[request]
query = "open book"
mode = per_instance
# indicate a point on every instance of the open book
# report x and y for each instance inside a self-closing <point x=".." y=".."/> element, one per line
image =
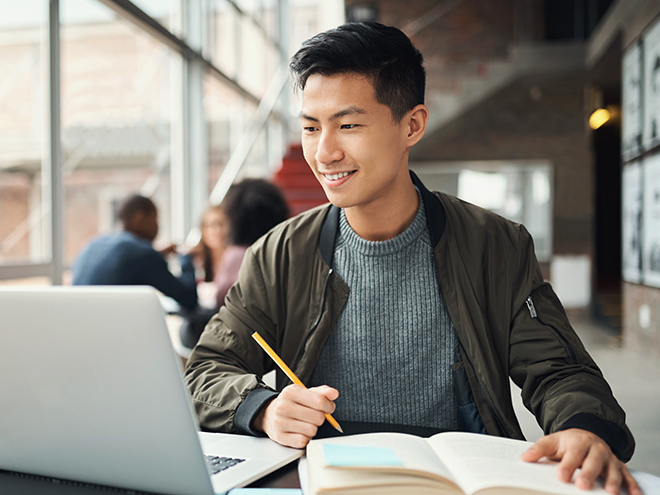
<point x="446" y="463"/>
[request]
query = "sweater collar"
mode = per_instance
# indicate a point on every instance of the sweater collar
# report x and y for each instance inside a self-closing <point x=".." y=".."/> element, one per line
<point x="435" y="219"/>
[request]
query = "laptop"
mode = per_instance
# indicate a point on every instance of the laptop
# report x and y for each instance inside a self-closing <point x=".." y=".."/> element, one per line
<point x="92" y="391"/>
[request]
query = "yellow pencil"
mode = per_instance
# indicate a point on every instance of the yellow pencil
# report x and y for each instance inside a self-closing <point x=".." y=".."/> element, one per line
<point x="287" y="371"/>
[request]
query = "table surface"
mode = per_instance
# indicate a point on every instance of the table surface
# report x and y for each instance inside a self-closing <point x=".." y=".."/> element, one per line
<point x="285" y="477"/>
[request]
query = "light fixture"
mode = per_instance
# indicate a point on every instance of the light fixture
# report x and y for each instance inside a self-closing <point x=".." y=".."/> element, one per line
<point x="599" y="117"/>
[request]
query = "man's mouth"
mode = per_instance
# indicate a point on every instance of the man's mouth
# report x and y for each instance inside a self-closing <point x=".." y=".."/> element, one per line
<point x="338" y="176"/>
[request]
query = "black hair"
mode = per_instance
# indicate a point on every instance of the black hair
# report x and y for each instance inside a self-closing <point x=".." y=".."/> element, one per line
<point x="133" y="204"/>
<point x="253" y="207"/>
<point x="382" y="53"/>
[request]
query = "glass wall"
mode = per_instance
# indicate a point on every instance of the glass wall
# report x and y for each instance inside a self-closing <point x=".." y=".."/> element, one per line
<point x="99" y="100"/>
<point x="23" y="126"/>
<point x="116" y="100"/>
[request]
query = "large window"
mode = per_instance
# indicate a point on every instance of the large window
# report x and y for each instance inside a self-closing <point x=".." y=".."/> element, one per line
<point x="116" y="95"/>
<point x="101" y="99"/>
<point x="23" y="128"/>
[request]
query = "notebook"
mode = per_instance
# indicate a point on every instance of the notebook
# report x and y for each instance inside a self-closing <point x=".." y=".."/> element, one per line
<point x="92" y="391"/>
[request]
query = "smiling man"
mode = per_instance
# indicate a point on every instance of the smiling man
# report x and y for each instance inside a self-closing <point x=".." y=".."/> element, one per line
<point x="395" y="304"/>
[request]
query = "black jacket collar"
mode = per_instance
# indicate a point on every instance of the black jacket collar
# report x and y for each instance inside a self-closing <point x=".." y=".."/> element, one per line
<point x="435" y="219"/>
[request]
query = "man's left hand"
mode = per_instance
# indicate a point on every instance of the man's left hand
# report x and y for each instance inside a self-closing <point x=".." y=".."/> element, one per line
<point x="167" y="250"/>
<point x="576" y="448"/>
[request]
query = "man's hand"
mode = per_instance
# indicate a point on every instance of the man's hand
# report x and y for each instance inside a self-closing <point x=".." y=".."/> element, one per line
<point x="167" y="250"/>
<point x="576" y="448"/>
<point x="292" y="418"/>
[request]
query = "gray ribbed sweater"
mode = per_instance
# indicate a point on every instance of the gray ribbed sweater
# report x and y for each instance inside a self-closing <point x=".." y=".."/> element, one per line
<point x="391" y="351"/>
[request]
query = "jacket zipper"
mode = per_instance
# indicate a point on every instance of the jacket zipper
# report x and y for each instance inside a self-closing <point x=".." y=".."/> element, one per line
<point x="530" y="306"/>
<point x="487" y="398"/>
<point x="318" y="318"/>
<point x="533" y="313"/>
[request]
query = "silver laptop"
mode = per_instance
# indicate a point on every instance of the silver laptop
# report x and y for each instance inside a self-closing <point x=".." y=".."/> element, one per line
<point x="91" y="390"/>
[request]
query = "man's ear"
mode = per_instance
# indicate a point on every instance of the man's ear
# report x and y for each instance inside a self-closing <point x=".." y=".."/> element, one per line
<point x="418" y="117"/>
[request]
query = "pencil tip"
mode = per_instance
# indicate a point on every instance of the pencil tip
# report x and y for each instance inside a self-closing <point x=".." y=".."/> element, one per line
<point x="339" y="429"/>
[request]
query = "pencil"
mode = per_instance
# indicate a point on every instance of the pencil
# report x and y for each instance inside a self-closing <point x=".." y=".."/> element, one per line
<point x="287" y="371"/>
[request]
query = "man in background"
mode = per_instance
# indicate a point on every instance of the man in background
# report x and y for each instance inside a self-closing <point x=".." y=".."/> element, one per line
<point x="128" y="258"/>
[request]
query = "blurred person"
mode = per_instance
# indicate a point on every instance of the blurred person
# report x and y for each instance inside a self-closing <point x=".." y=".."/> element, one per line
<point x="128" y="257"/>
<point x="212" y="243"/>
<point x="249" y="210"/>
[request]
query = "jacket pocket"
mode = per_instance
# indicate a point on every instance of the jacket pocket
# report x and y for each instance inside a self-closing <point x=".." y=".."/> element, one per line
<point x="540" y="316"/>
<point x="468" y="413"/>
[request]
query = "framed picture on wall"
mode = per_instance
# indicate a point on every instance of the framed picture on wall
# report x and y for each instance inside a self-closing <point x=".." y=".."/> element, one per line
<point x="631" y="204"/>
<point x="631" y="133"/>
<point x="652" y="87"/>
<point x="651" y="224"/>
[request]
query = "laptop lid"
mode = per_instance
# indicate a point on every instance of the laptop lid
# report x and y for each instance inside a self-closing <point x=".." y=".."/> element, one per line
<point x="91" y="390"/>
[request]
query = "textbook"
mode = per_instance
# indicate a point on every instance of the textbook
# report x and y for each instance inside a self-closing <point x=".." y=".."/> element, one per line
<point x="447" y="463"/>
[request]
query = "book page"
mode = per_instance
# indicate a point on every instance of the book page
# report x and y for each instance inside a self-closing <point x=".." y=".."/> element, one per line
<point x="418" y="464"/>
<point x="482" y="461"/>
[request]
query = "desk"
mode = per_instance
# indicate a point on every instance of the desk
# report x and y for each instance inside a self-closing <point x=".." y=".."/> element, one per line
<point x="285" y="477"/>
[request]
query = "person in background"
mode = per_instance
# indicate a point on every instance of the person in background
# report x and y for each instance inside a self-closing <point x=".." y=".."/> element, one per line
<point x="213" y="242"/>
<point x="251" y="208"/>
<point x="128" y="257"/>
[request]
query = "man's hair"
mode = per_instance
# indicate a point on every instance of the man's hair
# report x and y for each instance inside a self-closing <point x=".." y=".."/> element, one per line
<point x="253" y="207"/>
<point x="382" y="53"/>
<point x="132" y="205"/>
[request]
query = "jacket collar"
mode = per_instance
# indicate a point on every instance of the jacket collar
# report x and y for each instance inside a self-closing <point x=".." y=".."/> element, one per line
<point x="435" y="219"/>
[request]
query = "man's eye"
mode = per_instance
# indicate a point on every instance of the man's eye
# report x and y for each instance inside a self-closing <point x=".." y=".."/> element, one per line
<point x="309" y="129"/>
<point x="349" y="126"/>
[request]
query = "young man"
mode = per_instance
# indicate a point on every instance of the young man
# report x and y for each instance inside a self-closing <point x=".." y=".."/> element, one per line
<point x="128" y="258"/>
<point x="395" y="304"/>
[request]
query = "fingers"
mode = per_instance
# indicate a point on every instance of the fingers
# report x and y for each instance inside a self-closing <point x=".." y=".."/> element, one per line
<point x="544" y="447"/>
<point x="580" y="449"/>
<point x="571" y="460"/>
<point x="293" y="418"/>
<point x="318" y="398"/>
<point x="629" y="481"/>
<point x="329" y="392"/>
<point x="597" y="460"/>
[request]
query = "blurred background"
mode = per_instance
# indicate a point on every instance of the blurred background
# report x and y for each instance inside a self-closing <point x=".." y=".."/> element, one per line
<point x="544" y="111"/>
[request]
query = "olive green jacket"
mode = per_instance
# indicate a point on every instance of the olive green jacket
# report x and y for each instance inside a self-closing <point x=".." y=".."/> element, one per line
<point x="509" y="323"/>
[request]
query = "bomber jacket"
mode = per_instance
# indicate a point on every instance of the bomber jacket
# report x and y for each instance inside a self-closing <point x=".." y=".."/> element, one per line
<point x="509" y="323"/>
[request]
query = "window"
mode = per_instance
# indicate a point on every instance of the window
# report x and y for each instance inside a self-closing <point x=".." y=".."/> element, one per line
<point x="116" y="120"/>
<point x="519" y="191"/>
<point x="23" y="132"/>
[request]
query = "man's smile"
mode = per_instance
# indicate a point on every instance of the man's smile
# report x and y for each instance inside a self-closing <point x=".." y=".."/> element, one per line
<point x="337" y="176"/>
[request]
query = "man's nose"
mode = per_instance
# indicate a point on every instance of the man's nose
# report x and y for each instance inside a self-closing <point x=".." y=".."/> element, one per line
<point x="328" y="150"/>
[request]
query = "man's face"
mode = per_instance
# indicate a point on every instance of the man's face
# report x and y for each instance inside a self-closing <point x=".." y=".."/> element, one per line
<point x="145" y="224"/>
<point x="351" y="142"/>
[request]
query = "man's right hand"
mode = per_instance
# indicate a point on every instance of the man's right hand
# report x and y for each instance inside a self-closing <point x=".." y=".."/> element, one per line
<point x="293" y="417"/>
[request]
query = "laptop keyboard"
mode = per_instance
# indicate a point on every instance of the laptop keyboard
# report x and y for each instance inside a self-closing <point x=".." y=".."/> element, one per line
<point x="217" y="464"/>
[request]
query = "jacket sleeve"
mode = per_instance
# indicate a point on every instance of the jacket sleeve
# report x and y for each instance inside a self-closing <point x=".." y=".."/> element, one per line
<point x="227" y="364"/>
<point x="561" y="384"/>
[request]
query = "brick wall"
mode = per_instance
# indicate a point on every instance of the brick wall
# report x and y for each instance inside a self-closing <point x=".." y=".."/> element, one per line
<point x="538" y="117"/>
<point x="534" y="118"/>
<point x="14" y="193"/>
